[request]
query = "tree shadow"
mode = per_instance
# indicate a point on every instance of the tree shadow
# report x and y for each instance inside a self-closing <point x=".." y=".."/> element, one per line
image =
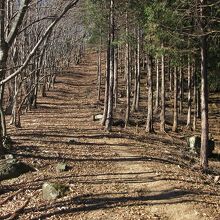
<point x="91" y="202"/>
<point x="215" y="157"/>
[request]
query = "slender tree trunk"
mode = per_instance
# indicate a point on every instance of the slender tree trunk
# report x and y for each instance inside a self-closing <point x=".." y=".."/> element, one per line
<point x="170" y="75"/>
<point x="194" y="98"/>
<point x="149" y="125"/>
<point x="44" y="84"/>
<point x="34" y="104"/>
<point x="2" y="114"/>
<point x="157" y="87"/>
<point x="3" y="61"/>
<point x="136" y="99"/>
<point x="175" y="101"/>
<point x="121" y="59"/>
<point x="109" y="119"/>
<point x="14" y="107"/>
<point x="18" y="117"/>
<point x="198" y="112"/>
<point x="204" y="92"/>
<point x="106" y="84"/>
<point x="138" y="72"/>
<point x="162" y="114"/>
<point x="38" y="65"/>
<point x="135" y="83"/>
<point x="128" y="77"/>
<point x="116" y="76"/>
<point x="99" y="69"/>
<point x="181" y="92"/>
<point x="189" y="103"/>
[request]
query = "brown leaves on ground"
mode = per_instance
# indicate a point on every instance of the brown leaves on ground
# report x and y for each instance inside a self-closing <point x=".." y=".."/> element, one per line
<point x="125" y="174"/>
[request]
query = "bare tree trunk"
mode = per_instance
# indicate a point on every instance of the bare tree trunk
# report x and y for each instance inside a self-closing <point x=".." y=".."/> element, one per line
<point x="34" y="104"/>
<point x="170" y="75"/>
<point x="120" y="54"/>
<point x="99" y="69"/>
<point x="128" y="77"/>
<point x="157" y="86"/>
<point x="175" y="101"/>
<point x="162" y="114"/>
<point x="106" y="84"/>
<point x="135" y="82"/>
<point x="3" y="60"/>
<point x="204" y="92"/>
<point x="181" y="92"/>
<point x="43" y="89"/>
<point x="14" y="107"/>
<point x="149" y="125"/>
<point x="198" y="110"/>
<point x="17" y="117"/>
<point x="194" y="98"/>
<point x="136" y="99"/>
<point x="2" y="114"/>
<point x="189" y="103"/>
<point x="138" y="72"/>
<point x="39" y="64"/>
<point x="109" y="119"/>
<point x="116" y="76"/>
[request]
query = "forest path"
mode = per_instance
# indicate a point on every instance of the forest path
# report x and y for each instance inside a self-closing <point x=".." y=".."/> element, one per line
<point x="118" y="175"/>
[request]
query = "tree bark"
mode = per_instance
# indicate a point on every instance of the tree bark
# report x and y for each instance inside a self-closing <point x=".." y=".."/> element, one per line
<point x="157" y="87"/>
<point x="170" y="75"/>
<point x="198" y="110"/>
<point x="128" y="77"/>
<point x="189" y="102"/>
<point x="162" y="114"/>
<point x="204" y="91"/>
<point x="194" y="98"/>
<point x="175" y="101"/>
<point x="116" y="76"/>
<point x="181" y="91"/>
<point x="99" y="69"/>
<point x="106" y="84"/>
<point x="138" y="72"/>
<point x="109" y="119"/>
<point x="3" y="59"/>
<point x="149" y="125"/>
<point x="136" y="99"/>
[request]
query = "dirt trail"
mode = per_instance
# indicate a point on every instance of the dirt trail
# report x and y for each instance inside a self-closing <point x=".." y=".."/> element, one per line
<point x="118" y="175"/>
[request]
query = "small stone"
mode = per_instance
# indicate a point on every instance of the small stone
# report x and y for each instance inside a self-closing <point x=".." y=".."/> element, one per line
<point x="9" y="156"/>
<point x="216" y="179"/>
<point x="12" y="168"/>
<point x="61" y="167"/>
<point x="194" y="144"/>
<point x="97" y="117"/>
<point x="52" y="191"/>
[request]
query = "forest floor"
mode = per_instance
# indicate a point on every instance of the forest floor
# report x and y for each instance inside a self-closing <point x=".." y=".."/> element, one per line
<point x="125" y="174"/>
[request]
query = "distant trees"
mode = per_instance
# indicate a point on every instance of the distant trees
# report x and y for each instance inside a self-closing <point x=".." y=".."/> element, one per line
<point x="26" y="59"/>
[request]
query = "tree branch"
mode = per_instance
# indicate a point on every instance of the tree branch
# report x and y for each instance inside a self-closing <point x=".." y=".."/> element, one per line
<point x="18" y="21"/>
